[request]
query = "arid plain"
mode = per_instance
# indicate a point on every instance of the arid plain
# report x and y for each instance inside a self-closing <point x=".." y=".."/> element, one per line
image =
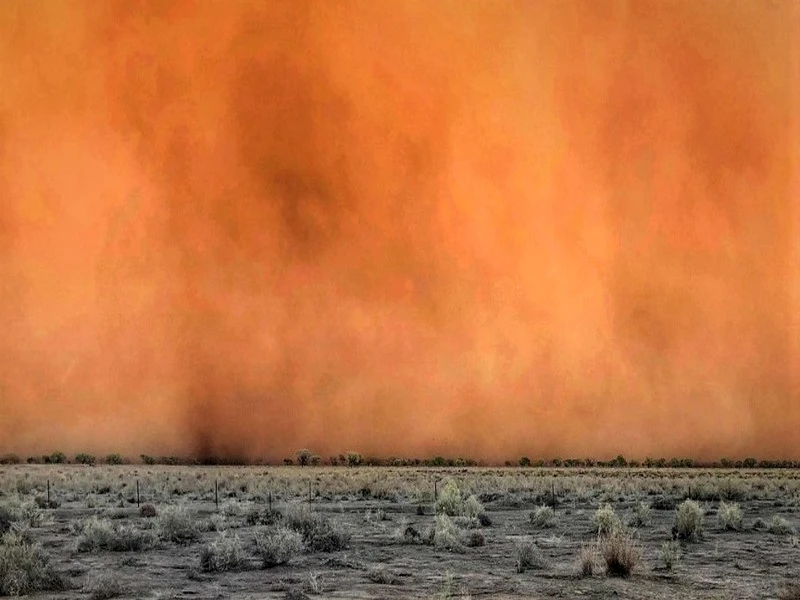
<point x="378" y="532"/>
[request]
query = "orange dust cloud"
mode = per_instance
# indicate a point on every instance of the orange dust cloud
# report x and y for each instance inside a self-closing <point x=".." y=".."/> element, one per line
<point x="406" y="228"/>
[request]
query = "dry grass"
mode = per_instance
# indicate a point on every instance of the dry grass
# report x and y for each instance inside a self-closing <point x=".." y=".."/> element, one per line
<point x="278" y="545"/>
<point x="689" y="521"/>
<point x="25" y="568"/>
<point x="529" y="556"/>
<point x="544" y="517"/>
<point x="620" y="553"/>
<point x="729" y="516"/>
<point x="225" y="553"/>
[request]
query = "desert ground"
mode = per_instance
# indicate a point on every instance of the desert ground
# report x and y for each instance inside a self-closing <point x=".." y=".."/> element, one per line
<point x="339" y="532"/>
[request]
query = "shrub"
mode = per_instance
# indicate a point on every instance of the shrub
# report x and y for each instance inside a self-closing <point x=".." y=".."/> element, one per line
<point x="688" y="520"/>
<point x="85" y="459"/>
<point x="148" y="511"/>
<point x="473" y="508"/>
<point x="104" y="586"/>
<point x="446" y="535"/>
<point x="529" y="556"/>
<point x="262" y="516"/>
<point x="670" y="553"/>
<point x="25" y="568"/>
<point x="619" y="553"/>
<point x="319" y="534"/>
<point x="641" y="515"/>
<point x="780" y="526"/>
<point x="278" y="545"/>
<point x="101" y="534"/>
<point x="175" y="524"/>
<point x="475" y="539"/>
<point x="383" y="576"/>
<point x="606" y="520"/>
<point x="113" y="459"/>
<point x="760" y="524"/>
<point x="5" y="519"/>
<point x="729" y="516"/>
<point x="449" y="501"/>
<point x="223" y="554"/>
<point x="544" y="517"/>
<point x="26" y="512"/>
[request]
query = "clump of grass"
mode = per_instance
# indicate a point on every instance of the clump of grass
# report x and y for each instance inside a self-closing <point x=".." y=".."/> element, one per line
<point x="529" y="556"/>
<point x="223" y="554"/>
<point x="446" y="535"/>
<point x="102" y="534"/>
<point x="760" y="524"/>
<point x="176" y="524"/>
<point x="620" y="553"/>
<point x="544" y="517"/>
<point x="780" y="526"/>
<point x="642" y="515"/>
<point x="256" y="515"/>
<point x="26" y="512"/>
<point x="729" y="516"/>
<point x="319" y="534"/>
<point x="475" y="539"/>
<point x="606" y="521"/>
<point x="688" y="520"/>
<point x="383" y="576"/>
<point x="588" y="559"/>
<point x="25" y="568"/>
<point x="147" y="511"/>
<point x="790" y="591"/>
<point x="104" y="586"/>
<point x="278" y="545"/>
<point x="670" y="554"/>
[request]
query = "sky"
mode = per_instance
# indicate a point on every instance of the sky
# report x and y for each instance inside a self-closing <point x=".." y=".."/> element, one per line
<point x="484" y="229"/>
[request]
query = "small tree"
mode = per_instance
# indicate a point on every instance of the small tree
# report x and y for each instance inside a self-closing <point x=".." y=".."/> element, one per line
<point x="84" y="459"/>
<point x="56" y="458"/>
<point x="148" y="460"/>
<point x="113" y="459"/>
<point x="288" y="462"/>
<point x="303" y="457"/>
<point x="354" y="459"/>
<point x="316" y="459"/>
<point x="524" y="462"/>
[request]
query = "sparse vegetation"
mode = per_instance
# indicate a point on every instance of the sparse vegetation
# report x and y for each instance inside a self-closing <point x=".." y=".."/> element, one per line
<point x="642" y="515"/>
<point x="588" y="559"/>
<point x="102" y="534"/>
<point x="102" y="586"/>
<point x="148" y="511"/>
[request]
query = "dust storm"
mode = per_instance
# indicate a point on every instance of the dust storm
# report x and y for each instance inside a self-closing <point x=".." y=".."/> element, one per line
<point x="407" y="228"/>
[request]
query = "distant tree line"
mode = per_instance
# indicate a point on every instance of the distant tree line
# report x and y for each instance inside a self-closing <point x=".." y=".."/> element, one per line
<point x="305" y="457"/>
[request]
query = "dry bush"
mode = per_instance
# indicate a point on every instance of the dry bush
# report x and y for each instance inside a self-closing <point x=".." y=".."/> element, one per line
<point x="544" y="517"/>
<point x="449" y="500"/>
<point x="176" y="524"/>
<point x="620" y="553"/>
<point x="446" y="535"/>
<point x="25" y="568"/>
<point x="475" y="539"/>
<point x="103" y="586"/>
<point x="588" y="559"/>
<point x="529" y="556"/>
<point x="26" y="512"/>
<point x="780" y="526"/>
<point x="278" y="545"/>
<point x="148" y="511"/>
<point x="606" y="521"/>
<point x="641" y="516"/>
<point x="760" y="524"/>
<point x="729" y="516"/>
<point x="383" y="576"/>
<point x="688" y="521"/>
<point x="790" y="591"/>
<point x="255" y="515"/>
<point x="670" y="554"/>
<point x="101" y="534"/>
<point x="223" y="554"/>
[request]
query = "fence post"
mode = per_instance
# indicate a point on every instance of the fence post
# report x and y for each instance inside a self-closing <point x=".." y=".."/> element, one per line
<point x="138" y="500"/>
<point x="270" y="501"/>
<point x="435" y="490"/>
<point x="309" y="491"/>
<point x="48" y="494"/>
<point x="216" y="493"/>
